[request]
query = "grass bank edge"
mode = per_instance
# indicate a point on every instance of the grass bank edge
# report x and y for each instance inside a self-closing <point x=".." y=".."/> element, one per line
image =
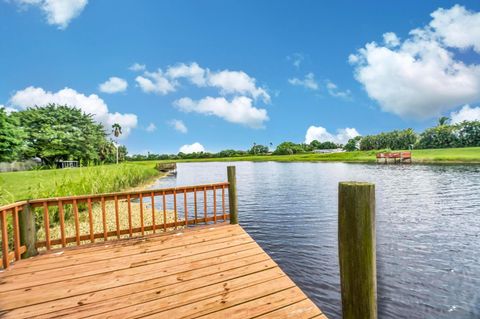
<point x="467" y="155"/>
<point x="15" y="186"/>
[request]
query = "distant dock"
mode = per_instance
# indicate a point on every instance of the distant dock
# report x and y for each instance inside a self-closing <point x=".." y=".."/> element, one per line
<point x="394" y="157"/>
<point x="169" y="168"/>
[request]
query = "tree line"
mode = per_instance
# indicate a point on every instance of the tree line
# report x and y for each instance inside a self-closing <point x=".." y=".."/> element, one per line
<point x="56" y="132"/>
<point x="285" y="148"/>
<point x="443" y="135"/>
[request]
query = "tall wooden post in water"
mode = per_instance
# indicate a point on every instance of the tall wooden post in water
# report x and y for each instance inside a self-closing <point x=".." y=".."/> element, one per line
<point x="357" y="254"/>
<point x="232" y="194"/>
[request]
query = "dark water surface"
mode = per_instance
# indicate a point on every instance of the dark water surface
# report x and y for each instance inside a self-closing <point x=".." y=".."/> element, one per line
<point x="428" y="229"/>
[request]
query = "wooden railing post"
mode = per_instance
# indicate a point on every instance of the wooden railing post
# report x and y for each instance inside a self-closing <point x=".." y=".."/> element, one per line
<point x="28" y="232"/>
<point x="357" y="254"/>
<point x="232" y="194"/>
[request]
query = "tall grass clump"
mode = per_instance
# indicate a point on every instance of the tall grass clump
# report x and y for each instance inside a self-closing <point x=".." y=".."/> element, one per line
<point x="16" y="186"/>
<point x="96" y="180"/>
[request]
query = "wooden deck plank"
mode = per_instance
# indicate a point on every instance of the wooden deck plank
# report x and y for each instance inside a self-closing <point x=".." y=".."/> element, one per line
<point x="58" y="290"/>
<point x="115" y="263"/>
<point x="106" y="304"/>
<point x="72" y="255"/>
<point x="304" y="309"/>
<point x="222" y="301"/>
<point x="126" y="243"/>
<point x="258" y="306"/>
<point x="213" y="272"/>
<point x="203" y="291"/>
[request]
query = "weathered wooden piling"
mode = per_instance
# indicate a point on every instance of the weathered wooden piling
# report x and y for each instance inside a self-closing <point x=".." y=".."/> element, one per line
<point x="232" y="194"/>
<point x="357" y="254"/>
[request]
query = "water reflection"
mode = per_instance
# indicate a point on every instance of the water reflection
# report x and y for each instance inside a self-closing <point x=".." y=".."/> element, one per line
<point x="428" y="229"/>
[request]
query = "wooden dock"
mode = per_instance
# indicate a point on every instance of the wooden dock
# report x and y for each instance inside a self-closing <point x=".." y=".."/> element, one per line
<point x="211" y="271"/>
<point x="199" y="263"/>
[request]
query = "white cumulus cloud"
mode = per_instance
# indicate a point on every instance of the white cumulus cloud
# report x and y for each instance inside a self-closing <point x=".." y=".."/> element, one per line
<point x="155" y="82"/>
<point x="57" y="12"/>
<point x="228" y="82"/>
<point x="192" y="148"/>
<point x="334" y="91"/>
<point x="466" y="113"/>
<point x="421" y="77"/>
<point x="321" y="134"/>
<point x="192" y="72"/>
<point x="136" y="67"/>
<point x="457" y="27"/>
<point x="113" y="85"/>
<point x="307" y="82"/>
<point x="237" y="82"/>
<point x="178" y="125"/>
<point x="151" y="128"/>
<point x="90" y="104"/>
<point x="238" y="92"/>
<point x="390" y="39"/>
<point x="239" y="110"/>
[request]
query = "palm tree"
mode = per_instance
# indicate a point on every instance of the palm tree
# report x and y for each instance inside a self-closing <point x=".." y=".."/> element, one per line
<point x="117" y="131"/>
<point x="443" y="121"/>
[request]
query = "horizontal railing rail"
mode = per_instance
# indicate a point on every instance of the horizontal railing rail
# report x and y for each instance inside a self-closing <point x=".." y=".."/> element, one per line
<point x="76" y="220"/>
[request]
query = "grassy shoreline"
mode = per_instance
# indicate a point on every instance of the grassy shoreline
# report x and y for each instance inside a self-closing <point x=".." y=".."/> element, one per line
<point x="15" y="186"/>
<point x="468" y="155"/>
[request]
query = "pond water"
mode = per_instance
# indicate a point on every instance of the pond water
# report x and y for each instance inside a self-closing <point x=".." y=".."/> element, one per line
<point x="428" y="229"/>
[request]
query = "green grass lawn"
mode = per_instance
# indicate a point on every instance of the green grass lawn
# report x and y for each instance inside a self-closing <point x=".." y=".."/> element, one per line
<point x="450" y="155"/>
<point x="15" y="186"/>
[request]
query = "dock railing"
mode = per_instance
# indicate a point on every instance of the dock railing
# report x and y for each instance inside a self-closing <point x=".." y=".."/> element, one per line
<point x="168" y="209"/>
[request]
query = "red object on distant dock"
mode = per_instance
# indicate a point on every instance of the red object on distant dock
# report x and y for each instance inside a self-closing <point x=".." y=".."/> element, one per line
<point x="400" y="156"/>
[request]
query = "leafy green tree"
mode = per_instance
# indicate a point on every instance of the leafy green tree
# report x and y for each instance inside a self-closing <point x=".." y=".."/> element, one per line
<point x="353" y="144"/>
<point x="317" y="145"/>
<point x="468" y="133"/>
<point x="11" y="137"/>
<point x="395" y="140"/>
<point x="58" y="132"/>
<point x="258" y="149"/>
<point x="122" y="153"/>
<point x="288" y="148"/>
<point x="442" y="136"/>
<point x="230" y="153"/>
<point x="107" y="151"/>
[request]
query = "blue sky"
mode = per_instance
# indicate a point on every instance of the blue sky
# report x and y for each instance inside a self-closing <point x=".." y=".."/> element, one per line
<point x="225" y="74"/>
